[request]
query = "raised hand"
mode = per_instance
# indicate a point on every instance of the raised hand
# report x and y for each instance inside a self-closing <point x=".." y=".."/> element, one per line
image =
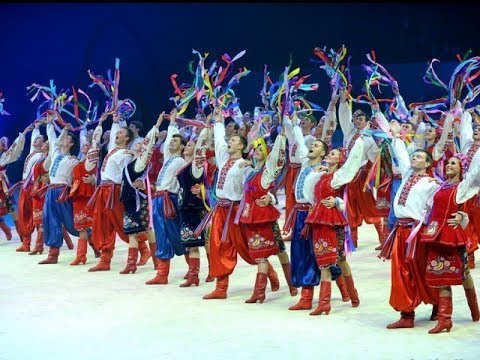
<point x="160" y="119"/>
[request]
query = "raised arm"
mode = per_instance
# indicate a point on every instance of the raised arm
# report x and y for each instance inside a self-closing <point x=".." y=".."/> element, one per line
<point x="470" y="185"/>
<point x="199" y="156"/>
<point x="439" y="148"/>
<point x="348" y="170"/>
<point x="345" y="116"/>
<point x="297" y="136"/>
<point x="92" y="156"/>
<point x="466" y="132"/>
<point x="35" y="135"/>
<point x="14" y="151"/>
<point x="142" y="161"/>
<point x="399" y="149"/>
<point x="330" y="124"/>
<point x="221" y="145"/>
<point x="275" y="161"/>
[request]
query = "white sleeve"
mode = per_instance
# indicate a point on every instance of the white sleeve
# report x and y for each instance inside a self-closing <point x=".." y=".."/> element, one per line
<point x="329" y="126"/>
<point x="466" y="132"/>
<point x="345" y="120"/>
<point x="35" y="135"/>
<point x="113" y="134"/>
<point x="14" y="151"/>
<point x="439" y="148"/>
<point x="274" y="161"/>
<point x="199" y="152"/>
<point x="401" y="154"/>
<point x="353" y="163"/>
<point x="298" y="139"/>
<point x="470" y="185"/>
<point x="52" y="140"/>
<point x="142" y="161"/>
<point x="221" y="154"/>
<point x="92" y="155"/>
<point x="419" y="138"/>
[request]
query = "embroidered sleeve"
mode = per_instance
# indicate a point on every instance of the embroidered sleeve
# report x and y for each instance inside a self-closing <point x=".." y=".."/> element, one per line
<point x="172" y="130"/>
<point x="142" y="162"/>
<point x="14" y="151"/>
<point x="93" y="154"/>
<point x="348" y="170"/>
<point x="329" y="126"/>
<point x="199" y="154"/>
<point x="274" y="162"/>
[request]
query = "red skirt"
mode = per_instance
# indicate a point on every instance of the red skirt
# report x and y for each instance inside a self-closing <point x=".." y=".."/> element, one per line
<point x="446" y="265"/>
<point x="325" y="245"/>
<point x="82" y="217"/>
<point x="6" y="206"/>
<point x="260" y="240"/>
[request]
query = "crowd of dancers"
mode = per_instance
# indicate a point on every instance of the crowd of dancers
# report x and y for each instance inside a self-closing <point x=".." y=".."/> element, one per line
<point x="214" y="185"/>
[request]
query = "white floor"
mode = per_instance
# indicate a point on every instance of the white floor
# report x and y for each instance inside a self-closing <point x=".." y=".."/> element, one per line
<point x="64" y="312"/>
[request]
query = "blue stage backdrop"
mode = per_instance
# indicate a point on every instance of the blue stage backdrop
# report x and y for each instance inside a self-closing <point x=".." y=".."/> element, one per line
<point x="62" y="41"/>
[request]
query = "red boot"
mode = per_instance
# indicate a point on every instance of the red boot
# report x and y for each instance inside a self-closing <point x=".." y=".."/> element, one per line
<point x="444" y="315"/>
<point x="259" y="289"/>
<point x="273" y="277"/>
<point x="67" y="238"/>
<point x="221" y="288"/>
<point x="324" y="302"/>
<point x="472" y="303"/>
<point x="144" y="253"/>
<point x="406" y="321"/>
<point x="352" y="292"/>
<point x="104" y="263"/>
<point x="38" y="249"/>
<point x="305" y="302"/>
<point x="193" y="270"/>
<point x="131" y="261"/>
<point x="81" y="252"/>
<point x="163" y="269"/>
<point x="153" y="250"/>
<point x="25" y="247"/>
<point x="187" y="257"/>
<point x="6" y="229"/>
<point x="52" y="257"/>
<point x="342" y="286"/>
<point x="286" y="271"/>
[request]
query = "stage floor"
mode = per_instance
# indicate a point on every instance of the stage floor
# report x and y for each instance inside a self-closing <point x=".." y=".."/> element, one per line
<point x="64" y="312"/>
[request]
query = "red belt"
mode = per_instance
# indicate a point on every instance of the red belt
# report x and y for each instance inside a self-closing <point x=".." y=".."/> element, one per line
<point x="293" y="215"/>
<point x="168" y="207"/>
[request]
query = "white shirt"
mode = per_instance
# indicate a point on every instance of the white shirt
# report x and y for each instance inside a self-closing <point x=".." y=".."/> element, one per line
<point x="116" y="159"/>
<point x="309" y="174"/>
<point x="61" y="167"/>
<point x="229" y="183"/>
<point x="167" y="179"/>
<point x="33" y="156"/>
<point x="370" y="150"/>
<point x="293" y="153"/>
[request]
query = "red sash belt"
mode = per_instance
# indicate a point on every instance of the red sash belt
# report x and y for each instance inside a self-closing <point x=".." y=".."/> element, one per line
<point x="104" y="183"/>
<point x="386" y="252"/>
<point x="206" y="220"/>
<point x="293" y="215"/>
<point x="168" y="207"/>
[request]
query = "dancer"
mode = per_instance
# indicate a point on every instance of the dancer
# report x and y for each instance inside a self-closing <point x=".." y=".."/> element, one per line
<point x="57" y="208"/>
<point x="446" y="252"/>
<point x="328" y="223"/>
<point x="105" y="202"/>
<point x="166" y="219"/>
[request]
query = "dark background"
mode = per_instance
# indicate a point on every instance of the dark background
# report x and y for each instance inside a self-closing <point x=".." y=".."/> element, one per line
<point x="154" y="40"/>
